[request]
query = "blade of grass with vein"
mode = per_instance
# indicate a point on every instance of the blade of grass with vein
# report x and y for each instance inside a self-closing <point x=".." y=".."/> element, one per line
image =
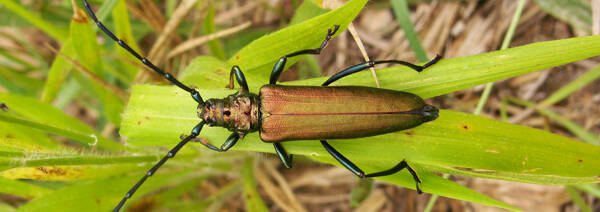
<point x="571" y="126"/>
<point x="253" y="200"/>
<point x="578" y="200"/>
<point x="22" y="189"/>
<point x="455" y="74"/>
<point x="58" y="72"/>
<point x="36" y="114"/>
<point x="208" y="26"/>
<point x="87" y="51"/>
<point x="123" y="32"/>
<point x="502" y="147"/>
<point x="101" y="195"/>
<point x="590" y="189"/>
<point x="259" y="56"/>
<point x="400" y="8"/>
<point x="575" y="12"/>
<point x="19" y="83"/>
<point x="573" y="86"/>
<point x="56" y="33"/>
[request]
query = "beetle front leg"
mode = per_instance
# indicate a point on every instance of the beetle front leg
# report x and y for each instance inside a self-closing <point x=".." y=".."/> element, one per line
<point x="278" y="68"/>
<point x="239" y="76"/>
<point x="358" y="172"/>
<point x="283" y="156"/>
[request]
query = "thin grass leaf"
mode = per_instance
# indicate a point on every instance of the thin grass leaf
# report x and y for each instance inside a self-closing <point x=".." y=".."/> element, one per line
<point x="87" y="51"/>
<point x="56" y="33"/>
<point x="571" y="126"/>
<point x="400" y="8"/>
<point x="573" y="86"/>
<point x="101" y="195"/>
<point x="253" y="200"/>
<point x="455" y="74"/>
<point x="575" y="12"/>
<point x="42" y="116"/>
<point x="259" y="56"/>
<point x="123" y="32"/>
<point x="590" y="189"/>
<point x="21" y="189"/>
<point x="578" y="200"/>
<point x="307" y="10"/>
<point x="19" y="83"/>
<point x="208" y="26"/>
<point x="505" y="150"/>
<point x="58" y="72"/>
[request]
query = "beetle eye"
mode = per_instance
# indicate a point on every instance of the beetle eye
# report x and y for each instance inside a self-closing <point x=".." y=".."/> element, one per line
<point x="226" y="113"/>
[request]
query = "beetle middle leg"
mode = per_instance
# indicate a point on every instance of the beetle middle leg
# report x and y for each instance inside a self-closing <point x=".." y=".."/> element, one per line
<point x="279" y="66"/>
<point x="283" y="156"/>
<point x="360" y="173"/>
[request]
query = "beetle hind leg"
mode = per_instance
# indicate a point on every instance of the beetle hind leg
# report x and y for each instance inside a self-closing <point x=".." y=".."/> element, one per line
<point x="360" y="173"/>
<point x="283" y="156"/>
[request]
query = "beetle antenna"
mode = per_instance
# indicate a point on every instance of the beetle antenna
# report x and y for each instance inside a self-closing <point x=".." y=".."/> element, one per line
<point x="145" y="61"/>
<point x="170" y="154"/>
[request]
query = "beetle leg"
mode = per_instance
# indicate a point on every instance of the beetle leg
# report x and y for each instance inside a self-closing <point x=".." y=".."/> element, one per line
<point x="239" y="76"/>
<point x="358" y="172"/>
<point x="231" y="140"/>
<point x="359" y="67"/>
<point x="283" y="156"/>
<point x="278" y="68"/>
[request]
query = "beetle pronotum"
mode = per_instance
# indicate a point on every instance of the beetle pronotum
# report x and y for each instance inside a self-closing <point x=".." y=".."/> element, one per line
<point x="284" y="113"/>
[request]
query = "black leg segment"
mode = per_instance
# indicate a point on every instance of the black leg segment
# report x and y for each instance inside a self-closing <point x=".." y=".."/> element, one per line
<point x="358" y="172"/>
<point x="359" y="67"/>
<point x="239" y="77"/>
<point x="279" y="66"/>
<point x="283" y="156"/>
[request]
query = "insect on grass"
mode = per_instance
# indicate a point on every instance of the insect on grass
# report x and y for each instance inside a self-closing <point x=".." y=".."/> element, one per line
<point x="286" y="113"/>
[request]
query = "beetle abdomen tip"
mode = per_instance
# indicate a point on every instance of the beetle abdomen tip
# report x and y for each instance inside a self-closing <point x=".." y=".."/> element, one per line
<point x="430" y="112"/>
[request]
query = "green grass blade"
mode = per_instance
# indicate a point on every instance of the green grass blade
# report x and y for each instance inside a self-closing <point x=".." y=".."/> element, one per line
<point x="43" y="116"/>
<point x="590" y="189"/>
<point x="400" y="8"/>
<point x="21" y="189"/>
<point x="208" y="25"/>
<point x="123" y="31"/>
<point x="57" y="33"/>
<point x="259" y="56"/>
<point x="455" y="74"/>
<point x="575" y="12"/>
<point x="101" y="195"/>
<point x="253" y="200"/>
<point x="578" y="200"/>
<point x="500" y="150"/>
<point x="571" y="126"/>
<point x="88" y="53"/>
<point x="58" y="72"/>
<point x="576" y="84"/>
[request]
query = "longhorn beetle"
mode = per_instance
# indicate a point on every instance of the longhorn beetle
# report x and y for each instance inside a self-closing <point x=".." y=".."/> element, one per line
<point x="285" y="113"/>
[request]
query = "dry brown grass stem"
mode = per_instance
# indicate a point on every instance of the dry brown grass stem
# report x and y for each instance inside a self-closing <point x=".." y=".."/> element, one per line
<point x="374" y="202"/>
<point x="195" y="42"/>
<point x="361" y="47"/>
<point x="272" y="190"/>
<point x="237" y="12"/>
<point x="112" y="88"/>
<point x="284" y="186"/>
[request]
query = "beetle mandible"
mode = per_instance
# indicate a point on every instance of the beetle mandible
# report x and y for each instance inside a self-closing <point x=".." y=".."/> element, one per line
<point x="284" y="113"/>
